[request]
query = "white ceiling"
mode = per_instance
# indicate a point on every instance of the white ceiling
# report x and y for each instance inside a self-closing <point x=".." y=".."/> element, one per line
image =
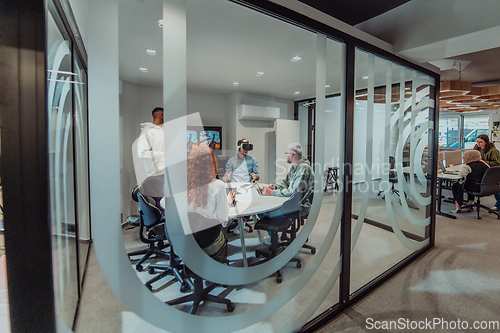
<point x="431" y="31"/>
<point x="227" y="42"/>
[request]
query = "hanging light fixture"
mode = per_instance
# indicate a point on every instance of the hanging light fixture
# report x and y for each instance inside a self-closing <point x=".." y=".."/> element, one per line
<point x="460" y="96"/>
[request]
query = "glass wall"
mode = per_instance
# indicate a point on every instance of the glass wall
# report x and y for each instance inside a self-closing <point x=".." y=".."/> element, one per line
<point x="457" y="131"/>
<point x="224" y="72"/>
<point x="474" y="126"/>
<point x="449" y="132"/>
<point x="246" y="63"/>
<point x="68" y="165"/>
<point x="391" y="188"/>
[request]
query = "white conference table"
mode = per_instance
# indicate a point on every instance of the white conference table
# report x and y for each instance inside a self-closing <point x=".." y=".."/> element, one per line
<point x="249" y="202"/>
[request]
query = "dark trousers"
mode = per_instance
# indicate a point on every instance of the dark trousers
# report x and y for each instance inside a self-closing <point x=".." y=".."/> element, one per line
<point x="458" y="193"/>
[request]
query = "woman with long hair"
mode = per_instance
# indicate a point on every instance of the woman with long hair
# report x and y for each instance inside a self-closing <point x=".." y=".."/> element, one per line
<point x="490" y="155"/>
<point x="472" y="171"/>
<point x="207" y="197"/>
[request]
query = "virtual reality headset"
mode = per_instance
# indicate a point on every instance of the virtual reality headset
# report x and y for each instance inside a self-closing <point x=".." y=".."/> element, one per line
<point x="247" y="146"/>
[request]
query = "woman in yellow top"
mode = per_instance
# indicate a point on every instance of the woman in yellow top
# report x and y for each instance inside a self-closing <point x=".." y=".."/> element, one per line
<point x="490" y="155"/>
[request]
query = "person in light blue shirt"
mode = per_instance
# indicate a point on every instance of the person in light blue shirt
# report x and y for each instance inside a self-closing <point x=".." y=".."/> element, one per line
<point x="242" y="167"/>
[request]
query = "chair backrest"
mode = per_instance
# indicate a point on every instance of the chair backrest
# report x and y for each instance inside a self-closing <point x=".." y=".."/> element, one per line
<point x="150" y="214"/>
<point x="291" y="208"/>
<point x="153" y="187"/>
<point x="134" y="193"/>
<point x="490" y="183"/>
<point x="453" y="157"/>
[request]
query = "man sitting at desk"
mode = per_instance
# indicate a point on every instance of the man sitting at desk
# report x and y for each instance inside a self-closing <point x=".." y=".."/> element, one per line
<point x="300" y="173"/>
<point x="242" y="167"/>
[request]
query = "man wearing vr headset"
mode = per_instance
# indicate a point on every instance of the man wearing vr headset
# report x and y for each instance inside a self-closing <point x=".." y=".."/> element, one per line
<point x="242" y="167"/>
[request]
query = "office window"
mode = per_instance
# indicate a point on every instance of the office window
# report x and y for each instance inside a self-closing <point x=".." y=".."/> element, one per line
<point x="448" y="132"/>
<point x="473" y="127"/>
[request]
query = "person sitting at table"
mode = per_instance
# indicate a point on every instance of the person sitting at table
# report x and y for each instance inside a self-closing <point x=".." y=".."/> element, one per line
<point x="242" y="167"/>
<point x="301" y="172"/>
<point x="490" y="155"/>
<point x="470" y="172"/>
<point x="206" y="196"/>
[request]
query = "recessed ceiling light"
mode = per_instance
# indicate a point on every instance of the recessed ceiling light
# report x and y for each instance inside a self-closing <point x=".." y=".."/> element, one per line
<point x="160" y="22"/>
<point x="327" y="86"/>
<point x="143" y="69"/>
<point x="260" y="73"/>
<point x="296" y="93"/>
<point x="296" y="58"/>
<point x="151" y="51"/>
<point x="365" y="77"/>
<point x="235" y="84"/>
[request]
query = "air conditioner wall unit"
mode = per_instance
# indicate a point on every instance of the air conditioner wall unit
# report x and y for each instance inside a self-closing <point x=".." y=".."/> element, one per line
<point x="252" y="112"/>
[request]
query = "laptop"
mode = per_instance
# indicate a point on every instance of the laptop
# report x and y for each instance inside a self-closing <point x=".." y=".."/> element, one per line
<point x="441" y="165"/>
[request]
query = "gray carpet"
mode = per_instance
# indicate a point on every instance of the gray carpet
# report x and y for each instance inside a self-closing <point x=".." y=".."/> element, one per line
<point x="457" y="279"/>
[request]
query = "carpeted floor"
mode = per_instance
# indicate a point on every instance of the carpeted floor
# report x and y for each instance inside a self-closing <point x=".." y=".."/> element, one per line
<point x="458" y="279"/>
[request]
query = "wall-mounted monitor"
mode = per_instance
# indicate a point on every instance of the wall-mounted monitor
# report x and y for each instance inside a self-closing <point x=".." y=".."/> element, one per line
<point x="210" y="136"/>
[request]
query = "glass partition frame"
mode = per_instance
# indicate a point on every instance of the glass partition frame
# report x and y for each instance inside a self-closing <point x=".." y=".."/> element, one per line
<point x="345" y="296"/>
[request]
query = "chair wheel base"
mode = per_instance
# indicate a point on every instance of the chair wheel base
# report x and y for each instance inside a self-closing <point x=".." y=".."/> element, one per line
<point x="151" y="270"/>
<point x="230" y="307"/>
<point x="313" y="251"/>
<point x="184" y="288"/>
<point x="139" y="268"/>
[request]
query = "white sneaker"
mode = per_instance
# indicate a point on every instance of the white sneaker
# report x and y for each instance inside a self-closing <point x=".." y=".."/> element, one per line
<point x="267" y="240"/>
<point x="236" y="230"/>
<point x="494" y="208"/>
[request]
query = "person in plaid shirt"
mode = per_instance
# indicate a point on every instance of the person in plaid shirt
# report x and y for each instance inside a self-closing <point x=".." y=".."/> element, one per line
<point x="300" y="175"/>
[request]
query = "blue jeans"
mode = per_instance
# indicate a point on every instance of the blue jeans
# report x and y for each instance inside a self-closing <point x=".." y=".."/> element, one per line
<point x="497" y="204"/>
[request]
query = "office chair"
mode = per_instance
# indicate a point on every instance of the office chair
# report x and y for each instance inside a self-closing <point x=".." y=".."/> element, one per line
<point x="331" y="178"/>
<point x="206" y="238"/>
<point x="490" y="184"/>
<point x="133" y="220"/>
<point x="393" y="177"/>
<point x="295" y="227"/>
<point x="150" y="232"/>
<point x="291" y="211"/>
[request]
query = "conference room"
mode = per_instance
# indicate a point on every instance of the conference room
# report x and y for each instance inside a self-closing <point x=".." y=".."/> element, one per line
<point x="225" y="71"/>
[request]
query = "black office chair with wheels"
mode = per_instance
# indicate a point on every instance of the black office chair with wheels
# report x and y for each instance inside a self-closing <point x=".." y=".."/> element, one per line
<point x="150" y="230"/>
<point x="393" y="177"/>
<point x="291" y="233"/>
<point x="211" y="238"/>
<point x="133" y="220"/>
<point x="291" y="211"/>
<point x="490" y="184"/>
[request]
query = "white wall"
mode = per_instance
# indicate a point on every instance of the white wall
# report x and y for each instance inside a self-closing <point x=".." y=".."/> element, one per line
<point x="259" y="133"/>
<point x="136" y="104"/>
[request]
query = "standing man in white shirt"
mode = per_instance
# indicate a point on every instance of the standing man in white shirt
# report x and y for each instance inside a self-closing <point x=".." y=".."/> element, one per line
<point x="242" y="167"/>
<point x="151" y="144"/>
<point x="150" y="150"/>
